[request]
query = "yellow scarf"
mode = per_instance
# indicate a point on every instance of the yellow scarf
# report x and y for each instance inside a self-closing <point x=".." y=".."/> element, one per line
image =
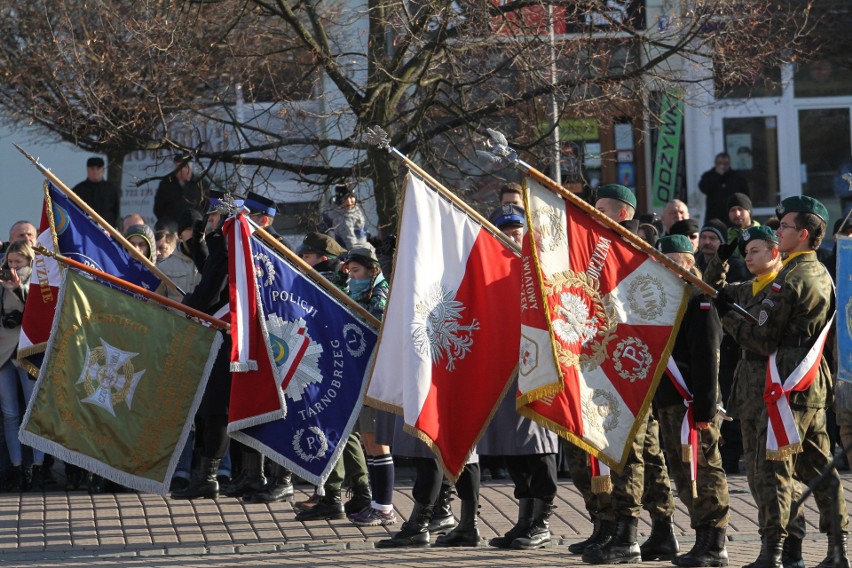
<point x="793" y="255"/>
<point x="762" y="281"/>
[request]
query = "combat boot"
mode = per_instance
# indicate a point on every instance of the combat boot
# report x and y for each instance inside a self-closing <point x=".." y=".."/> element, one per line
<point x="279" y="487"/>
<point x="202" y="484"/>
<point x="709" y="549"/>
<point x="770" y="554"/>
<point x="442" y="516"/>
<point x="360" y="500"/>
<point x="791" y="553"/>
<point x="843" y="560"/>
<point x="330" y="507"/>
<point x="414" y="531"/>
<point x="538" y="534"/>
<point x="466" y="533"/>
<point x="250" y="478"/>
<point x="662" y="543"/>
<point x="525" y="515"/>
<point x="601" y="533"/>
<point x="622" y="548"/>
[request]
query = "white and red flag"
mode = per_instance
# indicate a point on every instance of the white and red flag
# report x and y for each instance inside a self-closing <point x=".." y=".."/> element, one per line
<point x="599" y="318"/>
<point x="448" y="347"/>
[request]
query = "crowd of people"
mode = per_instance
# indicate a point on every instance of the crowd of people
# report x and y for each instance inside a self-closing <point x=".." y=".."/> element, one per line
<point x="774" y="270"/>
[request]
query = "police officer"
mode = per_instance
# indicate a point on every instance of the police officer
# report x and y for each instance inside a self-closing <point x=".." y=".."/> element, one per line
<point x="797" y="308"/>
<point x="695" y="380"/>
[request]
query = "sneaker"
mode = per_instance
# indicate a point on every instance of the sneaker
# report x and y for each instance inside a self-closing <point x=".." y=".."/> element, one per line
<point x="370" y="517"/>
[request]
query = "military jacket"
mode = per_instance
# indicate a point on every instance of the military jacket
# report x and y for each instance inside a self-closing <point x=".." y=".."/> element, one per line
<point x="796" y="308"/>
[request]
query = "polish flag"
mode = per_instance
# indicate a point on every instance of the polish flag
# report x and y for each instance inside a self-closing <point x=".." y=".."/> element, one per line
<point x="599" y="319"/>
<point x="448" y="348"/>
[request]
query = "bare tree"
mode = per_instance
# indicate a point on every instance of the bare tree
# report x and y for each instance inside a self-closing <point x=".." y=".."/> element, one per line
<point x="433" y="73"/>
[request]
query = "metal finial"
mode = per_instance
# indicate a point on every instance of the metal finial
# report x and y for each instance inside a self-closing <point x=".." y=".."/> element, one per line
<point x="228" y="206"/>
<point x="499" y="148"/>
<point x="376" y="136"/>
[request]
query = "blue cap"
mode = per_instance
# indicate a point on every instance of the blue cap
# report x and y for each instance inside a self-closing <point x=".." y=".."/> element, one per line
<point x="508" y="215"/>
<point x="217" y="198"/>
<point x="258" y="204"/>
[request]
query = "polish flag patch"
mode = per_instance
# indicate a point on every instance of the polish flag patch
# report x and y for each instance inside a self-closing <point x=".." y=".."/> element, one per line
<point x="705" y="305"/>
<point x="776" y="287"/>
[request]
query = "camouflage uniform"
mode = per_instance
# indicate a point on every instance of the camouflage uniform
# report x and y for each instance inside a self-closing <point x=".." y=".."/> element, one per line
<point x="696" y="353"/>
<point x="792" y="317"/>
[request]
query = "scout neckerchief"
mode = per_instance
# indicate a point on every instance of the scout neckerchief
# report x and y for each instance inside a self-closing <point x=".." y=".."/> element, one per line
<point x="688" y="431"/>
<point x="762" y="281"/>
<point x="782" y="437"/>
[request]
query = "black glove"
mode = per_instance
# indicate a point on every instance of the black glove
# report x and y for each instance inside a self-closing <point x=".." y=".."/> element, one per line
<point x="723" y="302"/>
<point x="726" y="250"/>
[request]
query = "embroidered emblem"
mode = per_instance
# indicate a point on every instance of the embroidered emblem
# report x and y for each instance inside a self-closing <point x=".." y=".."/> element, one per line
<point x="762" y="317"/>
<point x="632" y="359"/>
<point x="264" y="269"/>
<point x="529" y="355"/>
<point x="109" y="377"/>
<point x="600" y="411"/>
<point x="437" y="329"/>
<point x="646" y="297"/>
<point x="317" y="444"/>
<point x="294" y="355"/>
<point x="549" y="228"/>
<point x="354" y="339"/>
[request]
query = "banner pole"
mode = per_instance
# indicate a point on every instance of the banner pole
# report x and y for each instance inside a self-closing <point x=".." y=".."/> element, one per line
<point x="115" y="234"/>
<point x="217" y="323"/>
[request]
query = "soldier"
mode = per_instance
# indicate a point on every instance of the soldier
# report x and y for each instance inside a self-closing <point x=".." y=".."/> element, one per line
<point x="791" y="319"/>
<point x="694" y="380"/>
<point x="645" y="480"/>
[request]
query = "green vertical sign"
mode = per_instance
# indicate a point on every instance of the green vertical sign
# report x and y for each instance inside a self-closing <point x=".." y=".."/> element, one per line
<point x="667" y="156"/>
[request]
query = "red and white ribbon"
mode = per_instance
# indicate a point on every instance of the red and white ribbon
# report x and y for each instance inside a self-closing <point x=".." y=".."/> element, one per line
<point x="242" y="295"/>
<point x="782" y="437"/>
<point x="688" y="431"/>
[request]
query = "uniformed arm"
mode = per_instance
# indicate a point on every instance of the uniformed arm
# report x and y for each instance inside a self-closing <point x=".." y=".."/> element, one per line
<point x="705" y="337"/>
<point x="716" y="272"/>
<point x="207" y="295"/>
<point x="774" y="315"/>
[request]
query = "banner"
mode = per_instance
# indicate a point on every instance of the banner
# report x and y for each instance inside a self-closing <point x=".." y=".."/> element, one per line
<point x="664" y="186"/>
<point x="66" y="229"/>
<point x="320" y="353"/>
<point x="449" y="343"/>
<point x="119" y="386"/>
<point x="599" y="319"/>
<point x="844" y="309"/>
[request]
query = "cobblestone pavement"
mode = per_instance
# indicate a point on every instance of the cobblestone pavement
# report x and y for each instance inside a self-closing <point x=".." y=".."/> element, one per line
<point x="130" y="529"/>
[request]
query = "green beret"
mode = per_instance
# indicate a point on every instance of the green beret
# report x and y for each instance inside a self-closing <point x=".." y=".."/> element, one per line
<point x="321" y="244"/>
<point x="675" y="243"/>
<point x="762" y="232"/>
<point x="619" y="192"/>
<point x="802" y="204"/>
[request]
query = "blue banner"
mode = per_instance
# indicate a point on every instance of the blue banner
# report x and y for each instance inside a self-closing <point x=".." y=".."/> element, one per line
<point x="844" y="309"/>
<point x="324" y="352"/>
<point x="81" y="239"/>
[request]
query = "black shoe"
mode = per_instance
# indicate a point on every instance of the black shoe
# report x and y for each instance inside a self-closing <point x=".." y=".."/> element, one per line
<point x="96" y="484"/>
<point x="791" y="553"/>
<point x="601" y="533"/>
<point x="275" y="491"/>
<point x="414" y="531"/>
<point x="73" y="477"/>
<point x="538" y="533"/>
<point x="662" y="543"/>
<point x="37" y="478"/>
<point x="770" y="554"/>
<point x="467" y="532"/>
<point x="250" y="479"/>
<point x="15" y="479"/>
<point x="202" y="484"/>
<point x="525" y="516"/>
<point x="709" y="549"/>
<point x="178" y="484"/>
<point x="829" y="559"/>
<point x="329" y="508"/>
<point x="442" y="520"/>
<point x="360" y="500"/>
<point x="622" y="548"/>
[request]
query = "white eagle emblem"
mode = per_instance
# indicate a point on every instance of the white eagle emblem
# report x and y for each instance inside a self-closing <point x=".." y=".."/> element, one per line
<point x="438" y="331"/>
<point x="574" y="325"/>
<point x="294" y="354"/>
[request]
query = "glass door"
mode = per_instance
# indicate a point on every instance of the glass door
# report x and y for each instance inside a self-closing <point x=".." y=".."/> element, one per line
<point x="825" y="150"/>
<point x="752" y="143"/>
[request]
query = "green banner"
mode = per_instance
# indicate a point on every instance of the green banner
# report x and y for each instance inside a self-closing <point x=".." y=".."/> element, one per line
<point x="667" y="156"/>
<point x="120" y="385"/>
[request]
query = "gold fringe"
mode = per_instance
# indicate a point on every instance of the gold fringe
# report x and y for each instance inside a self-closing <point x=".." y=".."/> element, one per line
<point x="694" y="490"/>
<point x="601" y="484"/>
<point x="686" y="453"/>
<point x="382" y="405"/>
<point x="782" y="454"/>
<point x="25" y="352"/>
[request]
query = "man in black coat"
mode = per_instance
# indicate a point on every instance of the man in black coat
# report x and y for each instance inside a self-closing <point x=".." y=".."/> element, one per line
<point x="718" y="185"/>
<point x="98" y="193"/>
<point x="178" y="192"/>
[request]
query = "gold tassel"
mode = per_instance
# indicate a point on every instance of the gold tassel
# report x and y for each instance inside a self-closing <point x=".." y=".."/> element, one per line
<point x="694" y="490"/>
<point x="686" y="453"/>
<point x="601" y="484"/>
<point x="782" y="454"/>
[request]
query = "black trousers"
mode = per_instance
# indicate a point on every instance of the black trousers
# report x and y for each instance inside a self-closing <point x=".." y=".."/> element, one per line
<point x="534" y="476"/>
